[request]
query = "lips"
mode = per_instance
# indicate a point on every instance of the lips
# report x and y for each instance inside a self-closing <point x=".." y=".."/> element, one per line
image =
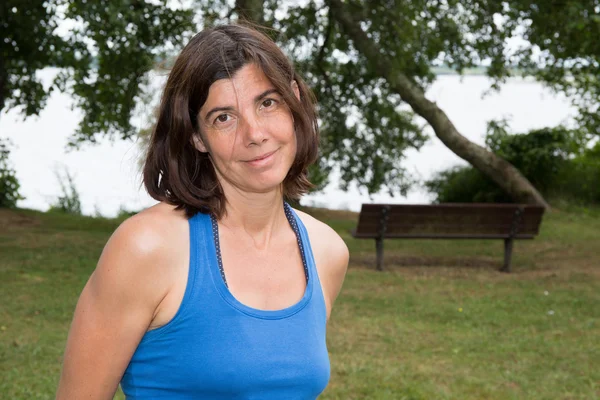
<point x="262" y="157"/>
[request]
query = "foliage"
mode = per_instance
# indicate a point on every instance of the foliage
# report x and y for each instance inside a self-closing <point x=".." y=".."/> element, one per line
<point x="366" y="126"/>
<point x="566" y="55"/>
<point x="557" y="161"/>
<point x="579" y="180"/>
<point x="103" y="58"/>
<point x="538" y="154"/>
<point x="9" y="184"/>
<point x="97" y="212"/>
<point x="124" y="213"/>
<point x="69" y="201"/>
<point x="464" y="184"/>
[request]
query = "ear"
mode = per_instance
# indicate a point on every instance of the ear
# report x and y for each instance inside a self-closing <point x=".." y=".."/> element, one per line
<point x="198" y="143"/>
<point x="296" y="89"/>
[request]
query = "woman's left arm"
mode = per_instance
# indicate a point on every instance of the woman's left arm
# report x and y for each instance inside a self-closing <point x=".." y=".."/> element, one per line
<point x="331" y="256"/>
<point x="333" y="267"/>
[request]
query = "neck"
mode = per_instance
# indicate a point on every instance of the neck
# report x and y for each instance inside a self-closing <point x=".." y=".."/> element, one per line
<point x="260" y="215"/>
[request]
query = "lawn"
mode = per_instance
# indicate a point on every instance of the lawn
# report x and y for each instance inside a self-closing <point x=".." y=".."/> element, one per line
<point x="439" y="323"/>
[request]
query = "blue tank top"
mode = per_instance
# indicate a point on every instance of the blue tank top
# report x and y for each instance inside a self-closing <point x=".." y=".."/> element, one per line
<point x="215" y="347"/>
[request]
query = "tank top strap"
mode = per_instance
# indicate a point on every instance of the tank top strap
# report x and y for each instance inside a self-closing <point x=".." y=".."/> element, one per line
<point x="198" y="245"/>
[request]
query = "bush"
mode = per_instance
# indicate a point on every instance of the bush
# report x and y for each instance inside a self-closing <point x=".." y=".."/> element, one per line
<point x="555" y="160"/>
<point x="465" y="185"/>
<point x="539" y="154"/>
<point x="9" y="185"/>
<point x="579" y="179"/>
<point x="69" y="202"/>
<point x="124" y="213"/>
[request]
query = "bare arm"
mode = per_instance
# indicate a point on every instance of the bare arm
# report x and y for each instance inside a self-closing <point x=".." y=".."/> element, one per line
<point x="335" y="266"/>
<point x="331" y="256"/>
<point x="113" y="312"/>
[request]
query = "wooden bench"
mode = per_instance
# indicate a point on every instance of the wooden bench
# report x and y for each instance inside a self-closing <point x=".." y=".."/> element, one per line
<point x="449" y="221"/>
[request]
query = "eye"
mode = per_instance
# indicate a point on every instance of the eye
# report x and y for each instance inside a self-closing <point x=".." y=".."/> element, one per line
<point x="222" y="118"/>
<point x="269" y="103"/>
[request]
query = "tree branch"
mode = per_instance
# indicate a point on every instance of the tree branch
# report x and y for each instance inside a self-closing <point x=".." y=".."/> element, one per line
<point x="321" y="54"/>
<point x="499" y="170"/>
<point x="252" y="10"/>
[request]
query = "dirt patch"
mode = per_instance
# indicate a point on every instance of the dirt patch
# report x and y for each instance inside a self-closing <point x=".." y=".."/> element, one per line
<point x="562" y="272"/>
<point x="479" y="268"/>
<point x="392" y="261"/>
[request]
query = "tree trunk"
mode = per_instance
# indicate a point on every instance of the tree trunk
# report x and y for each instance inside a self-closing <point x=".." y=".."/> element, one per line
<point x="499" y="170"/>
<point x="251" y="10"/>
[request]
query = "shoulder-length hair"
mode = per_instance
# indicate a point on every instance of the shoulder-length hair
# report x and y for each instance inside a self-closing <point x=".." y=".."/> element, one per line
<point x="174" y="170"/>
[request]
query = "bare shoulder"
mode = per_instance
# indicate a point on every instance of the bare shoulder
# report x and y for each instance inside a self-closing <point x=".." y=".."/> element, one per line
<point x="151" y="229"/>
<point x="323" y="237"/>
<point x="139" y="249"/>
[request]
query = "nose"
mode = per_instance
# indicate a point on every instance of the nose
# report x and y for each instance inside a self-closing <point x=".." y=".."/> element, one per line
<point x="254" y="131"/>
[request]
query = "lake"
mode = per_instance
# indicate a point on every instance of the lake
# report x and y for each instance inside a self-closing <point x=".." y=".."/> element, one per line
<point x="108" y="178"/>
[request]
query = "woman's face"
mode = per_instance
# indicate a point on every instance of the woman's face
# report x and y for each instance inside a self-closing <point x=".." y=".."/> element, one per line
<point x="248" y="131"/>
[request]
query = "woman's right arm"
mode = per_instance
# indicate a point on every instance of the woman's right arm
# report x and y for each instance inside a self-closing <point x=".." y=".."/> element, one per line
<point x="114" y="311"/>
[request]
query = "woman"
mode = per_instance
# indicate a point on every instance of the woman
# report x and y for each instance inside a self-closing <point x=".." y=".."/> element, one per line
<point x="221" y="290"/>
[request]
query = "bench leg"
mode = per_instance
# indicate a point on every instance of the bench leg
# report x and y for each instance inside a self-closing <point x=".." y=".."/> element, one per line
<point x="508" y="246"/>
<point x="379" y="248"/>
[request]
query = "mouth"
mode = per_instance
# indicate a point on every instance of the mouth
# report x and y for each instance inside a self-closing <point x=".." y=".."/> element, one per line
<point x="263" y="157"/>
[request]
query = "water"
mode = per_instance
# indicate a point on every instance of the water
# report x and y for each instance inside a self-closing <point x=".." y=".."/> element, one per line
<point x="107" y="175"/>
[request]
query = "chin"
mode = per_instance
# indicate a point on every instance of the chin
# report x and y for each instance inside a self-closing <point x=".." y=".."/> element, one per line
<point x="268" y="184"/>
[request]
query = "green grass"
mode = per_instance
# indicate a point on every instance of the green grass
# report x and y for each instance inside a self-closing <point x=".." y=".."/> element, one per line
<point x="439" y="323"/>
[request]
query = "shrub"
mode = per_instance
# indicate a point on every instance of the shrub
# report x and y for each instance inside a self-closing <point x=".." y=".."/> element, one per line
<point x="579" y="179"/>
<point x="465" y="185"/>
<point x="69" y="202"/>
<point x="539" y="154"/>
<point x="556" y="161"/>
<point x="124" y="213"/>
<point x="9" y="185"/>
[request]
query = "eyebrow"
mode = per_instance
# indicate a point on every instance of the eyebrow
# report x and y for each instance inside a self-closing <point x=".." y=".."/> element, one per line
<point x="229" y="108"/>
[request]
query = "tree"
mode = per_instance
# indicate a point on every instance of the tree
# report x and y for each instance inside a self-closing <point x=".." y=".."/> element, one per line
<point x="368" y="60"/>
<point x="409" y="90"/>
<point x="103" y="58"/>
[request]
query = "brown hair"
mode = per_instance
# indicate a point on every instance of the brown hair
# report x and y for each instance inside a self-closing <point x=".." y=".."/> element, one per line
<point x="174" y="170"/>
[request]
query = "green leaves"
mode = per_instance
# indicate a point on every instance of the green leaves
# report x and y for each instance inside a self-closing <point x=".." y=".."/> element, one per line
<point x="104" y="51"/>
<point x="9" y="185"/>
<point x="557" y="161"/>
<point x="27" y="44"/>
<point x="363" y="126"/>
<point x="125" y="40"/>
